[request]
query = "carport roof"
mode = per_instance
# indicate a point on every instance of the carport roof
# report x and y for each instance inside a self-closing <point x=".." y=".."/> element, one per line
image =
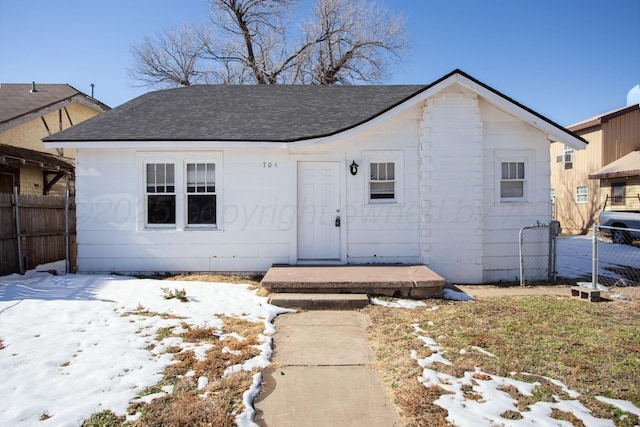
<point x="625" y="166"/>
<point x="18" y="156"/>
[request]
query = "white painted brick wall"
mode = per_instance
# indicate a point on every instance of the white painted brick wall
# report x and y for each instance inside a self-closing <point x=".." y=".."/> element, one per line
<point x="451" y="165"/>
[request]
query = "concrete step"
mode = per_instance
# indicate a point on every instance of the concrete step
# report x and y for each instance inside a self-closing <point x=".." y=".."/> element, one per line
<point x="309" y="301"/>
<point x="404" y="281"/>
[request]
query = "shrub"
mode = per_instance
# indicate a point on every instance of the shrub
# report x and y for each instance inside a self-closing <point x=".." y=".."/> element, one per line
<point x="179" y="294"/>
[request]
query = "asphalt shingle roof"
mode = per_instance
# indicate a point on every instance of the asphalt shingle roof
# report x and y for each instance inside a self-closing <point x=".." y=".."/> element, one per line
<point x="17" y="99"/>
<point x="273" y="113"/>
<point x="259" y="113"/>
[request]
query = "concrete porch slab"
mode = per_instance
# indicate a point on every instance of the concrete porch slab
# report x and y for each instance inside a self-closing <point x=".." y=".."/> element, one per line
<point x="416" y="281"/>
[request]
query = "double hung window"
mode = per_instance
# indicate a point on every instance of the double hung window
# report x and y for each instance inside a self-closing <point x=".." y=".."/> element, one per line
<point x="513" y="174"/>
<point x="161" y="193"/>
<point x="382" y="181"/>
<point x="384" y="177"/>
<point x="582" y="194"/>
<point x="201" y="193"/>
<point x="512" y="181"/>
<point x="180" y="193"/>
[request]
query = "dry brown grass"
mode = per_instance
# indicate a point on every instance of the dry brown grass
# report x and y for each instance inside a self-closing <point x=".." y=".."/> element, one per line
<point x="219" y="278"/>
<point x="392" y="343"/>
<point x="199" y="333"/>
<point x="633" y="292"/>
<point x="141" y="311"/>
<point x="214" y="405"/>
<point x="218" y="402"/>
<point x="593" y="348"/>
<point x="188" y="407"/>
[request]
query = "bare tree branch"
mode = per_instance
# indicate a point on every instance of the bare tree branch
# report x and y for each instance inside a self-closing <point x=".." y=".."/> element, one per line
<point x="254" y="33"/>
<point x="360" y="40"/>
<point x="343" y="42"/>
<point x="171" y="59"/>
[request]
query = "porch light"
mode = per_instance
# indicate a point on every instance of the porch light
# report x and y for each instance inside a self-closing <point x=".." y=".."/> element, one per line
<point x="353" y="167"/>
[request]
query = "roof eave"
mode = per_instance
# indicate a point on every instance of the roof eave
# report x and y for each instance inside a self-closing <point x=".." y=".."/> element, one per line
<point x="585" y="125"/>
<point x="554" y="131"/>
<point x="155" y="144"/>
<point x="46" y="109"/>
<point x="603" y="118"/>
<point x="610" y="175"/>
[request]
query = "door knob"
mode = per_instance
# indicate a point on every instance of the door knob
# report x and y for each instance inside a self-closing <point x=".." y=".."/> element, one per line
<point x="338" y="221"/>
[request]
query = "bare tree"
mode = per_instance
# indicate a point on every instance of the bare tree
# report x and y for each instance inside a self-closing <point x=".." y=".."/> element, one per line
<point x="253" y="38"/>
<point x="351" y="41"/>
<point x="344" y="41"/>
<point x="172" y="58"/>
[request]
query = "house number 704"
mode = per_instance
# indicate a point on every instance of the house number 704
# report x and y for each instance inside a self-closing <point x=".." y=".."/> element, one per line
<point x="269" y="165"/>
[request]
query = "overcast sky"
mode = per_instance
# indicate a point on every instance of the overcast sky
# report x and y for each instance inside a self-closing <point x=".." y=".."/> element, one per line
<point x="566" y="59"/>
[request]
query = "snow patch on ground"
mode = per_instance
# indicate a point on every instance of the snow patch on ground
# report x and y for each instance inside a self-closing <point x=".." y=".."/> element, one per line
<point x="447" y="294"/>
<point x="401" y="303"/>
<point x="453" y="295"/>
<point x="625" y="405"/>
<point x="476" y="398"/>
<point x="575" y="257"/>
<point x="72" y="348"/>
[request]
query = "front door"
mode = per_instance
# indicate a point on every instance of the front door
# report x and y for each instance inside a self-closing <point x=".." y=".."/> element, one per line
<point x="318" y="211"/>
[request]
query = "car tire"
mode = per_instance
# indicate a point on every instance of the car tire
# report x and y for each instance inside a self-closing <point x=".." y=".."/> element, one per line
<point x="620" y="237"/>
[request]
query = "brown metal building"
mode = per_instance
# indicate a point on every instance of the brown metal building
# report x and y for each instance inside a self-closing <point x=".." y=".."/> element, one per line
<point x="584" y="182"/>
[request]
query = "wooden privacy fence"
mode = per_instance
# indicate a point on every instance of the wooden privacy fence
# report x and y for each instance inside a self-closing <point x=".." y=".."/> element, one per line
<point x="36" y="230"/>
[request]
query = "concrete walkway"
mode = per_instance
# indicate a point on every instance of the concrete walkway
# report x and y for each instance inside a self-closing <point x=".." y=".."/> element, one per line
<point x="320" y="374"/>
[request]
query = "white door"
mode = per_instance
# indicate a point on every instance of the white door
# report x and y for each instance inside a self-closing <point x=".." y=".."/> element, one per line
<point x="318" y="210"/>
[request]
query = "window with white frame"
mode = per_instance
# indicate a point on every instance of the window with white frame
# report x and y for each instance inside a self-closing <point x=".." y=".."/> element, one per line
<point x="201" y="193"/>
<point x="513" y="175"/>
<point x="512" y="181"/>
<point x="384" y="180"/>
<point x="582" y="194"/>
<point x="180" y="192"/>
<point x="160" y="194"/>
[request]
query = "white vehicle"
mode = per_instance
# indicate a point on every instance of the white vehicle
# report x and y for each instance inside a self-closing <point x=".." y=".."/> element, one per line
<point x="626" y="225"/>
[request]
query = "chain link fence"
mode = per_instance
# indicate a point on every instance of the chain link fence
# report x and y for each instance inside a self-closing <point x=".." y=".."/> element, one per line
<point x="538" y="253"/>
<point x="616" y="261"/>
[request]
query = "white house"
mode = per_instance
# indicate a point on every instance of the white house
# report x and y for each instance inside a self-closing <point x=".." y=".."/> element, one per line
<point x="238" y="178"/>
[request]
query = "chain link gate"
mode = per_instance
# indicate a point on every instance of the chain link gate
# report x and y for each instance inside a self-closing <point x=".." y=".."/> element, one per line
<point x="615" y="260"/>
<point x="538" y="253"/>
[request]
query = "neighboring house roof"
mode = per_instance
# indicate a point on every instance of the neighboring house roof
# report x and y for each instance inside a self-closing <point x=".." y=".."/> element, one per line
<point x="19" y="103"/>
<point x="602" y="118"/>
<point x="628" y="165"/>
<point x="21" y="157"/>
<point x="274" y="113"/>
